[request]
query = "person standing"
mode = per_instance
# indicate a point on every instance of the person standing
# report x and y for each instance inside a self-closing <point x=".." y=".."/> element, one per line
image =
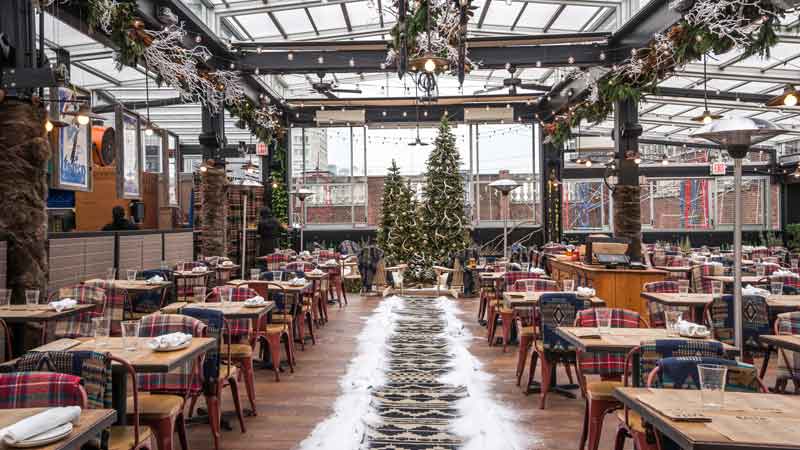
<point x="269" y="229"/>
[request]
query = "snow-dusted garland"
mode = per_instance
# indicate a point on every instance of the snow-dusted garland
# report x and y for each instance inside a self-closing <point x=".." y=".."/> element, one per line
<point x="707" y="26"/>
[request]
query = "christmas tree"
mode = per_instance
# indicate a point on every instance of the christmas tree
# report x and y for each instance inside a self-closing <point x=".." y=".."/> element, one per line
<point x="398" y="233"/>
<point x="442" y="212"/>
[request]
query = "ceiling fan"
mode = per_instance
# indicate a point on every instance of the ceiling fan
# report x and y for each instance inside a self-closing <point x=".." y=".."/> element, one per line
<point x="327" y="88"/>
<point x="513" y="83"/>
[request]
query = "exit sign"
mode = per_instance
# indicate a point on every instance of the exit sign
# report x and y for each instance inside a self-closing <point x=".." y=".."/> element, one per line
<point x="718" y="168"/>
<point x="261" y="149"/>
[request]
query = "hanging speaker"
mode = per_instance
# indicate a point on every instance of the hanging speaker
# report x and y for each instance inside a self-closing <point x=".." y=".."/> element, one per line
<point x="103" y="151"/>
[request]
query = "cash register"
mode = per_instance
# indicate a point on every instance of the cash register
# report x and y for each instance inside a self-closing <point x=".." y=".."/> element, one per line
<point x="607" y="251"/>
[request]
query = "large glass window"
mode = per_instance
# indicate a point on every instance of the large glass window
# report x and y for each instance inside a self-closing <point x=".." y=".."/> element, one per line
<point x="680" y="204"/>
<point x="585" y="205"/>
<point x="753" y="201"/>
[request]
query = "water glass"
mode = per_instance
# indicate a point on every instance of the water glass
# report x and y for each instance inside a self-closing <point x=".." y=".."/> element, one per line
<point x="179" y="266"/>
<point x="683" y="288"/>
<point x="130" y="334"/>
<point x="776" y="287"/>
<point x="568" y="285"/>
<point x="760" y="270"/>
<point x="102" y="329"/>
<point x="712" y="385"/>
<point x="716" y="288"/>
<point x="111" y="274"/>
<point x="482" y="262"/>
<point x="164" y="265"/>
<point x="277" y="275"/>
<point x="131" y="274"/>
<point x="199" y="294"/>
<point x="530" y="287"/>
<point x="31" y="296"/>
<point x="5" y="297"/>
<point x="793" y="263"/>
<point x="224" y="294"/>
<point x="603" y="319"/>
<point x="255" y="274"/>
<point x="672" y="318"/>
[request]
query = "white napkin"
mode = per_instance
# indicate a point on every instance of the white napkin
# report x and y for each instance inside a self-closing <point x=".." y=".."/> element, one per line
<point x="305" y="253"/>
<point x="60" y="305"/>
<point x="298" y="282"/>
<point x="330" y="262"/>
<point x="585" y="292"/>
<point x="155" y="279"/>
<point x="227" y="262"/>
<point x="686" y="328"/>
<point x="169" y="340"/>
<point x="537" y="271"/>
<point x="40" y="423"/>
<point x="443" y="280"/>
<point x="784" y="273"/>
<point x="751" y="290"/>
<point x="317" y="272"/>
<point x="257" y="300"/>
<point x="199" y="269"/>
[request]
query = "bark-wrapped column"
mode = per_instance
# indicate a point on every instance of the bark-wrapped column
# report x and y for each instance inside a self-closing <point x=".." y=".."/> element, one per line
<point x="627" y="216"/>
<point x="627" y="209"/>
<point x="23" y="195"/>
<point x="213" y="191"/>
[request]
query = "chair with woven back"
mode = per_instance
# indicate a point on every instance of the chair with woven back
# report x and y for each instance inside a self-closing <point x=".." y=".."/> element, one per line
<point x="80" y="324"/>
<point x="150" y="302"/>
<point x="116" y="304"/>
<point x="5" y="342"/>
<point x="276" y="261"/>
<point x="683" y="373"/>
<point x="609" y="366"/>
<point x="555" y="309"/>
<point x="720" y="318"/>
<point x="788" y="369"/>
<point x="657" y="310"/>
<point x="242" y="338"/>
<point x="184" y="286"/>
<point x="279" y="328"/>
<point x="526" y="319"/>
<point x="791" y="284"/>
<point x="650" y="352"/>
<point x="94" y="370"/>
<point x="699" y="281"/>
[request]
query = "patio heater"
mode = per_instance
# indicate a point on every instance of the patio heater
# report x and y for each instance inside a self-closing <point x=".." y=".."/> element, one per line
<point x="737" y="135"/>
<point x="505" y="186"/>
<point x="302" y="194"/>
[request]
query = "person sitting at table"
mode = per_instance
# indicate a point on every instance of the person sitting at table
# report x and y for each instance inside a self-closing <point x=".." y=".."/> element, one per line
<point x="119" y="222"/>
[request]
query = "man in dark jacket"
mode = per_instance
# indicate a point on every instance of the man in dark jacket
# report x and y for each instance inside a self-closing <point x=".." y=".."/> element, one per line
<point x="269" y="228"/>
<point x="119" y="222"/>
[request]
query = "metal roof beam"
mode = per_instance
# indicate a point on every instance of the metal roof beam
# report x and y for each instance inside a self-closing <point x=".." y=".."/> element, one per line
<point x="553" y="18"/>
<point x="484" y="11"/>
<point x="781" y="76"/>
<point x="346" y="17"/>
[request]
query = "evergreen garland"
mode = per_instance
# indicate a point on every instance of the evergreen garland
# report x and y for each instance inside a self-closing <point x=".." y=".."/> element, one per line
<point x="442" y="212"/>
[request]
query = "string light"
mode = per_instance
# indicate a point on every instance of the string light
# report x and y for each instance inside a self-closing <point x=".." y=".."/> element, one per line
<point x="290" y="56"/>
<point x="320" y="60"/>
<point x="538" y="64"/>
<point x="571" y="60"/>
<point x="48" y="126"/>
<point x="352" y="62"/>
<point x="602" y="56"/>
<point x="258" y="50"/>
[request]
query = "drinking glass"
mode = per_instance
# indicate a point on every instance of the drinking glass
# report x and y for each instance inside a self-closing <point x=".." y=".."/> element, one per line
<point x="760" y="270"/>
<point x="716" y="288"/>
<point x="102" y="328"/>
<point x="482" y="262"/>
<point x="199" y="293"/>
<point x="277" y="275"/>
<point x="776" y="287"/>
<point x="793" y="263"/>
<point x="130" y="274"/>
<point x="568" y="285"/>
<point x="179" y="266"/>
<point x="712" y="385"/>
<point x="603" y="319"/>
<point x="31" y="296"/>
<point x="130" y="333"/>
<point x="530" y="287"/>
<point x="683" y="288"/>
<point x="5" y="297"/>
<point x="111" y="273"/>
<point x="672" y="319"/>
<point x="224" y="294"/>
<point x="255" y="274"/>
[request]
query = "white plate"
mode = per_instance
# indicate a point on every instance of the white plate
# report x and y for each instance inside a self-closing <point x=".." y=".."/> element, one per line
<point x="255" y="305"/>
<point x="56" y="434"/>
<point x="172" y="349"/>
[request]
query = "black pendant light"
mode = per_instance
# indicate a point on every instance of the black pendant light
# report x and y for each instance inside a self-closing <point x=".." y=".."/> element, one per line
<point x="706" y="117"/>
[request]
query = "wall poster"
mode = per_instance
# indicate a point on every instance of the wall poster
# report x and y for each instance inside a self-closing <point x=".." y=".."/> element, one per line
<point x="171" y="173"/>
<point x="72" y="164"/>
<point x="129" y="155"/>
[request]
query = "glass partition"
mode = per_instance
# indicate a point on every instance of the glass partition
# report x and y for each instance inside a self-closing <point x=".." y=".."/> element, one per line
<point x="585" y="205"/>
<point x="753" y="201"/>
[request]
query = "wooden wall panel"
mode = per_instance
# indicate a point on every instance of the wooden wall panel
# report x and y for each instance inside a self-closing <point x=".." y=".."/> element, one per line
<point x="75" y="259"/>
<point x="130" y="254"/>
<point x="178" y="247"/>
<point x="151" y="251"/>
<point x="99" y="256"/>
<point x="93" y="209"/>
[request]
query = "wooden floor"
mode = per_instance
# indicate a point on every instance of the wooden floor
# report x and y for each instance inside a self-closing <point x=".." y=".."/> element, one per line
<point x="289" y="410"/>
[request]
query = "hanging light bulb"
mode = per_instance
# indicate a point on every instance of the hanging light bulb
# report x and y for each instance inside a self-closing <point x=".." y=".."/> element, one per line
<point x="274" y="185"/>
<point x="203" y="168"/>
<point x="637" y="159"/>
<point x="796" y="173"/>
<point x="789" y="97"/>
<point x="83" y="114"/>
<point x="588" y="163"/>
<point x="148" y="131"/>
<point x="48" y="126"/>
<point x="665" y="160"/>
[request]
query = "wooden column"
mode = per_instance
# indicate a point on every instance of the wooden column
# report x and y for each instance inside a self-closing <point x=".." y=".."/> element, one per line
<point x="551" y="190"/>
<point x="213" y="186"/>
<point x="627" y="209"/>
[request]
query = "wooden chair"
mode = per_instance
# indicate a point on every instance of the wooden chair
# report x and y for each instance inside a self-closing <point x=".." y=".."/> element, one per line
<point x="5" y="342"/>
<point x="278" y="329"/>
<point x="788" y="361"/>
<point x="719" y="316"/>
<point x="656" y="310"/>
<point x="116" y="304"/>
<point x="77" y="325"/>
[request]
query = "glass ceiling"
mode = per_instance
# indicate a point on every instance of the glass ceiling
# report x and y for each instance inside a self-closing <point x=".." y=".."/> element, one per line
<point x="92" y="65"/>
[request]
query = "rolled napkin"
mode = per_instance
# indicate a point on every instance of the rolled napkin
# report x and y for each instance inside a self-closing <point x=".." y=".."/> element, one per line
<point x="199" y="269"/>
<point x="305" y="253"/>
<point x="784" y="273"/>
<point x="257" y="300"/>
<point x="317" y="272"/>
<point x="330" y="262"/>
<point x="538" y="271"/>
<point x="690" y="329"/>
<point x="155" y="279"/>
<point x="170" y="340"/>
<point x="585" y="292"/>
<point x="40" y="423"/>
<point x="298" y="282"/>
<point x="751" y="290"/>
<point x="61" y="305"/>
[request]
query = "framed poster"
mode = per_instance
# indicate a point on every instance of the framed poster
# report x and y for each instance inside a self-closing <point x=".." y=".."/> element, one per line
<point x="171" y="170"/>
<point x="153" y="147"/>
<point x="129" y="154"/>
<point x="72" y="163"/>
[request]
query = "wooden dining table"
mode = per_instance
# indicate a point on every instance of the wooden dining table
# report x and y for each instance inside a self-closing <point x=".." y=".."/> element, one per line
<point x="143" y="360"/>
<point x="746" y="421"/>
<point x="17" y="316"/>
<point x="528" y="299"/>
<point x="746" y="279"/>
<point x="622" y="340"/>
<point x="91" y="423"/>
<point x="136" y="286"/>
<point x="231" y="310"/>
